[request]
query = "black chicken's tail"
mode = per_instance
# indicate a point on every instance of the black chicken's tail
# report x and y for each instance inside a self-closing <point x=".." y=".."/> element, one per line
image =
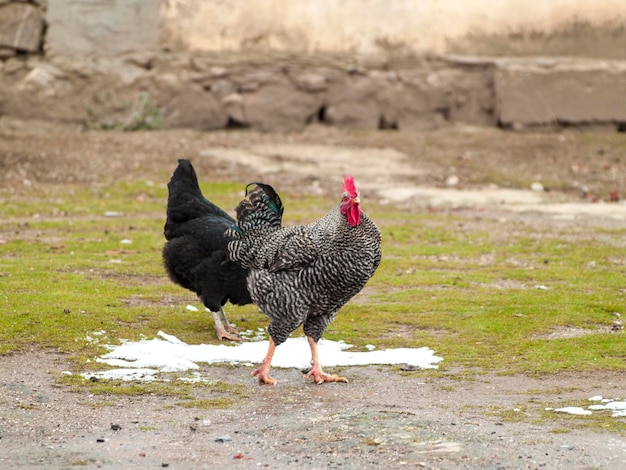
<point x="185" y="200"/>
<point x="258" y="215"/>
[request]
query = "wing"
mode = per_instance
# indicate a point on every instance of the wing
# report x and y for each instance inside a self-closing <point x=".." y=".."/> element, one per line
<point x="295" y="251"/>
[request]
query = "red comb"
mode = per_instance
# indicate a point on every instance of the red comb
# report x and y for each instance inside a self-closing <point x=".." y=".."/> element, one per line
<point x="348" y="186"/>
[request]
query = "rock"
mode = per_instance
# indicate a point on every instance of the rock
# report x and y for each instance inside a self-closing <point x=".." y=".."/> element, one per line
<point x="234" y="107"/>
<point x="280" y="108"/>
<point x="531" y="93"/>
<point x="21" y="26"/>
<point x="252" y="81"/>
<point x="6" y="52"/>
<point x="471" y="96"/>
<point x="452" y="180"/>
<point x="353" y="103"/>
<point x="195" y="108"/>
<point x="310" y="81"/>
<point x="407" y="108"/>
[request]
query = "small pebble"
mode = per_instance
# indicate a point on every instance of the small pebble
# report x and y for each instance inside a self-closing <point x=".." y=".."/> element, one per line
<point x="452" y="180"/>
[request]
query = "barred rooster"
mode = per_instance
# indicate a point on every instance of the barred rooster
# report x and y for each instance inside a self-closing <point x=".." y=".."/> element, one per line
<point x="195" y="255"/>
<point x="303" y="275"/>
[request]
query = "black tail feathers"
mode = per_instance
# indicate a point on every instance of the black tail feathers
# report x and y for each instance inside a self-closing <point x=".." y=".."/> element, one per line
<point x="185" y="200"/>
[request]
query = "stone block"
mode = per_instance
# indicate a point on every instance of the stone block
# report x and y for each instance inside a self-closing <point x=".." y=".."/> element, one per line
<point x="574" y="92"/>
<point x="21" y="26"/>
<point x="353" y="104"/>
<point x="102" y="27"/>
<point x="280" y="108"/>
<point x="195" y="108"/>
<point x="406" y="108"/>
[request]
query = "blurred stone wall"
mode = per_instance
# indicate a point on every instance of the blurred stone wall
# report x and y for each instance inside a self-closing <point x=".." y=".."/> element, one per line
<point x="280" y="65"/>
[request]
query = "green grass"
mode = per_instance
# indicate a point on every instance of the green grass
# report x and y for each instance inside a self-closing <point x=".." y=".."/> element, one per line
<point x="482" y="294"/>
<point x="140" y="114"/>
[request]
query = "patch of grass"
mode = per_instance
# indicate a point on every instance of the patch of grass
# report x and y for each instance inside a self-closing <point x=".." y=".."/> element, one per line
<point x="544" y="414"/>
<point x="147" y="428"/>
<point x="208" y="404"/>
<point x="128" y="388"/>
<point x="560" y="431"/>
<point x="564" y="422"/>
<point x="482" y="294"/>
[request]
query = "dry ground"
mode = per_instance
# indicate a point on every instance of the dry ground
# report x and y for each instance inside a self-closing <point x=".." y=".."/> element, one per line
<point x="381" y="419"/>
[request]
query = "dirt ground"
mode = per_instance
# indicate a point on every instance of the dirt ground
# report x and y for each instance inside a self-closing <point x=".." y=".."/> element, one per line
<point x="381" y="419"/>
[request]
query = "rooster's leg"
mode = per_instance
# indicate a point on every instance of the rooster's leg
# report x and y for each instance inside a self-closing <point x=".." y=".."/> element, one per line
<point x="316" y="370"/>
<point x="221" y="331"/>
<point x="263" y="372"/>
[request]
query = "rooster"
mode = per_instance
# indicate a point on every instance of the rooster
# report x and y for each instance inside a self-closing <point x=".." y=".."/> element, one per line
<point x="195" y="255"/>
<point x="303" y="275"/>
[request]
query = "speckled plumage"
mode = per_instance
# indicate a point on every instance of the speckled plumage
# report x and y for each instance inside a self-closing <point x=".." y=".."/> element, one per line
<point x="302" y="274"/>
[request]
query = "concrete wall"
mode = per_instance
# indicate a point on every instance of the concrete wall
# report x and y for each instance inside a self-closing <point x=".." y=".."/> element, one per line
<point x="422" y="26"/>
<point x="589" y="28"/>
<point x="592" y="28"/>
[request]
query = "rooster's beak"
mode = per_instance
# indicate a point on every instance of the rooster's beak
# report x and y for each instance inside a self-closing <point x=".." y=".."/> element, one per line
<point x="356" y="200"/>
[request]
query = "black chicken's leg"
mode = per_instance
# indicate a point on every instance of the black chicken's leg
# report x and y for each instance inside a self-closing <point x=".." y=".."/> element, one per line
<point x="223" y="329"/>
<point x="316" y="371"/>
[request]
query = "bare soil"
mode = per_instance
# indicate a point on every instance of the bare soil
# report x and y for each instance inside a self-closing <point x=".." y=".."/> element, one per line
<point x="382" y="418"/>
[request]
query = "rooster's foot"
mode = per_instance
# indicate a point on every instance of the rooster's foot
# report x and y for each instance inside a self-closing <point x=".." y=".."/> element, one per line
<point x="320" y="377"/>
<point x="264" y="377"/>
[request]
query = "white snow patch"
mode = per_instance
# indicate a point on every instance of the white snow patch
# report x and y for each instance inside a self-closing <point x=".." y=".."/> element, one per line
<point x="144" y="375"/>
<point x="617" y="407"/>
<point x="597" y="407"/>
<point x="573" y="410"/>
<point x="252" y="335"/>
<point x="167" y="353"/>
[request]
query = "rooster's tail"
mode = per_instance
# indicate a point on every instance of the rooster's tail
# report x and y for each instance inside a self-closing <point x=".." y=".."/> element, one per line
<point x="258" y="215"/>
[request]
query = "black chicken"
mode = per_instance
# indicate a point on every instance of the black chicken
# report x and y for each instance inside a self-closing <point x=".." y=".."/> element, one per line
<point x="303" y="275"/>
<point x="195" y="255"/>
